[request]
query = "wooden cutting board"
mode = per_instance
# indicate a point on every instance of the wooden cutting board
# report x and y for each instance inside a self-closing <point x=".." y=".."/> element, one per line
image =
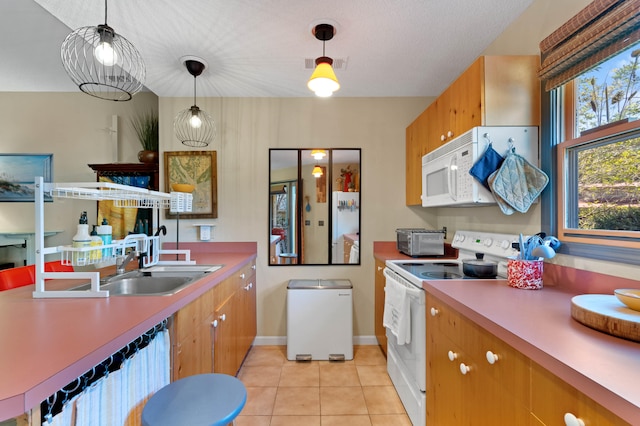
<point x="606" y="313"/>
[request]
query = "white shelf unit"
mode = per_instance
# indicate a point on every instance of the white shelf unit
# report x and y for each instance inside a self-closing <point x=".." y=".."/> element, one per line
<point x="123" y="196"/>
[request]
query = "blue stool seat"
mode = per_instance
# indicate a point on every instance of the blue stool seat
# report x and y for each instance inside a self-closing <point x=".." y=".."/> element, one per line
<point x="203" y="399"/>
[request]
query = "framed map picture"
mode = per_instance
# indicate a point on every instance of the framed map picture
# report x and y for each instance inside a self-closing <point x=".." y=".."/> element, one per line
<point x="197" y="168"/>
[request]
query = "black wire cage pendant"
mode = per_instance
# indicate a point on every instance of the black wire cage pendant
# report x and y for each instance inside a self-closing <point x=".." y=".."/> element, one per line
<point x="103" y="63"/>
<point x="193" y="126"/>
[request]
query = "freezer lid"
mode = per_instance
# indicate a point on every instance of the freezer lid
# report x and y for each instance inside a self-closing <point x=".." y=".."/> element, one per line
<point x="319" y="284"/>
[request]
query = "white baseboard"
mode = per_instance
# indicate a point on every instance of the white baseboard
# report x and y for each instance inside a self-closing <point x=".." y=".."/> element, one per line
<point x="282" y="340"/>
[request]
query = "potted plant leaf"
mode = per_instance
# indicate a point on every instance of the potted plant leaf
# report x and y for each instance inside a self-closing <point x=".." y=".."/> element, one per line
<point x="146" y="126"/>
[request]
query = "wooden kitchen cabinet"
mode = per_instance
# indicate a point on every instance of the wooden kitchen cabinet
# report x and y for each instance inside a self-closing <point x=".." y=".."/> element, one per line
<point x="191" y="340"/>
<point x="513" y="390"/>
<point x="463" y="387"/>
<point x="248" y="327"/>
<point x="551" y="399"/>
<point x="214" y="332"/>
<point x="379" y="329"/>
<point x="493" y="91"/>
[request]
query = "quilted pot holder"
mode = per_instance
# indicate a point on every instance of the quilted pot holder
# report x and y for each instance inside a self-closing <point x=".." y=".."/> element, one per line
<point x="488" y="163"/>
<point x="518" y="182"/>
<point x="504" y="206"/>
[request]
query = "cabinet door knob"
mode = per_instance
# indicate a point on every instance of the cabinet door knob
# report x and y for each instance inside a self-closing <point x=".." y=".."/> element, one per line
<point x="572" y="420"/>
<point x="379" y="268"/>
<point x="253" y="267"/>
<point x="449" y="133"/>
<point x="242" y="276"/>
<point x="223" y="317"/>
<point x="452" y="355"/>
<point x="464" y="369"/>
<point x="492" y="358"/>
<point x="434" y="312"/>
<point x="214" y="323"/>
<point x="443" y="138"/>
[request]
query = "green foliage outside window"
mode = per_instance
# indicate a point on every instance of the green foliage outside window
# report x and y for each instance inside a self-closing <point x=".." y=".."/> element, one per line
<point x="608" y="184"/>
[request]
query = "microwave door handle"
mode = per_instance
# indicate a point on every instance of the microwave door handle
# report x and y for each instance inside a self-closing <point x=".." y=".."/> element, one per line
<point x="452" y="171"/>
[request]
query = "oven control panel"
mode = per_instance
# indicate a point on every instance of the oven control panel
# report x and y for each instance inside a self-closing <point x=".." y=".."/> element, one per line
<point x="491" y="244"/>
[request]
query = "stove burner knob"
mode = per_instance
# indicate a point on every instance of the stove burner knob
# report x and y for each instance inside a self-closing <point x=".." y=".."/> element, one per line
<point x="459" y="238"/>
<point x="488" y="242"/>
<point x="505" y="244"/>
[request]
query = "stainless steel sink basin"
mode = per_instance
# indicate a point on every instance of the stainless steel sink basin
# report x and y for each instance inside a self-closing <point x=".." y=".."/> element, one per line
<point x="164" y="281"/>
<point x="147" y="285"/>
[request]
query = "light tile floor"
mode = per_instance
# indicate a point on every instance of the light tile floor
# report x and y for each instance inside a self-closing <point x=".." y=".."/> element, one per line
<point x="319" y="393"/>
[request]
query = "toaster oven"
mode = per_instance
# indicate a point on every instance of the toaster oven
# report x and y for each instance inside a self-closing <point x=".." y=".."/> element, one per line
<point x="418" y="242"/>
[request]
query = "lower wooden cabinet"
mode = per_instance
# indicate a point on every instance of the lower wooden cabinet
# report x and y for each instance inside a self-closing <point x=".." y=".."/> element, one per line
<point x="379" y="306"/>
<point x="552" y="399"/>
<point x="214" y="332"/>
<point x="474" y="378"/>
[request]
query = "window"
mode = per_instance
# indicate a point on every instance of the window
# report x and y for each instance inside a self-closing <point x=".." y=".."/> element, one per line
<point x="600" y="159"/>
<point x="591" y="132"/>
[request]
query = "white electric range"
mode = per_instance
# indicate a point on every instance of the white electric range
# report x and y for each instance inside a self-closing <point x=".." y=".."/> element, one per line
<point x="406" y="360"/>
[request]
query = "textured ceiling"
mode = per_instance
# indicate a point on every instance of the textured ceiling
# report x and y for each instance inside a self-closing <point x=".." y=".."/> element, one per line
<point x="258" y="48"/>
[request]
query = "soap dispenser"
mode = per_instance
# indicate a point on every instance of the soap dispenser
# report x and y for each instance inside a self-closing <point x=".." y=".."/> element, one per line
<point x="104" y="232"/>
<point x="95" y="241"/>
<point x="82" y="239"/>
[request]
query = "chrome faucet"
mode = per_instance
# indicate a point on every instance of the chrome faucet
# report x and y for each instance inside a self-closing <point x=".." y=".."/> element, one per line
<point x="123" y="261"/>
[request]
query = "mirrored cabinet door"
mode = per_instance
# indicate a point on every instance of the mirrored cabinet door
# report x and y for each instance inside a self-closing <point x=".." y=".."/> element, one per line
<point x="314" y="206"/>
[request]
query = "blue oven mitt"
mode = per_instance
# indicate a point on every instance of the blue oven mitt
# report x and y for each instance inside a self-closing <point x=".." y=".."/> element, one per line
<point x="489" y="162"/>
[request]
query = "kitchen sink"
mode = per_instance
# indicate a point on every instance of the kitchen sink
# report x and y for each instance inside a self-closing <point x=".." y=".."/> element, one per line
<point x="163" y="280"/>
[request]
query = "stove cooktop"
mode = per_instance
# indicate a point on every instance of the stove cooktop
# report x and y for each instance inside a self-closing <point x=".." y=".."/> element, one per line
<point x="495" y="247"/>
<point x="435" y="270"/>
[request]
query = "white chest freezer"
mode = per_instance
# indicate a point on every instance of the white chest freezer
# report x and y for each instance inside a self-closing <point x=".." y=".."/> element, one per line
<point x="319" y="320"/>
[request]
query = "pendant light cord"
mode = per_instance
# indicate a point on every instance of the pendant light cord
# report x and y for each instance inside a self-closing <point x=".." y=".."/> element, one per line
<point x="194" y="90"/>
<point x="105" y="12"/>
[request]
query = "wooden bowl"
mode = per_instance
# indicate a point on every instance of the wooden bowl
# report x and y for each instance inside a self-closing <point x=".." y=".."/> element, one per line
<point x="629" y="296"/>
<point x="182" y="187"/>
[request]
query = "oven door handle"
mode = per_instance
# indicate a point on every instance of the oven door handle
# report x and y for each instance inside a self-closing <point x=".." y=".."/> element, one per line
<point x="452" y="173"/>
<point x="412" y="291"/>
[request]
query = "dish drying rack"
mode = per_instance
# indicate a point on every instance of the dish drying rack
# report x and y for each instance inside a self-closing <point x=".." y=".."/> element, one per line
<point x="123" y="196"/>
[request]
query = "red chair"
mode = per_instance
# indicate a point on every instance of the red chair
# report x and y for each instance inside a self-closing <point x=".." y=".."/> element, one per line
<point x="57" y="266"/>
<point x="17" y="277"/>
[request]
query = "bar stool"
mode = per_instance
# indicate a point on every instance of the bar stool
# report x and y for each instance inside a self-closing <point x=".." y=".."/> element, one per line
<point x="203" y="399"/>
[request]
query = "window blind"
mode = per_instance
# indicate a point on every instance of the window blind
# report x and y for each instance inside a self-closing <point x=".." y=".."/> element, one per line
<point x="597" y="32"/>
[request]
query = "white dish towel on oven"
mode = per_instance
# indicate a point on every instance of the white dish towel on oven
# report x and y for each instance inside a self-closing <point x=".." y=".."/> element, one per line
<point x="397" y="315"/>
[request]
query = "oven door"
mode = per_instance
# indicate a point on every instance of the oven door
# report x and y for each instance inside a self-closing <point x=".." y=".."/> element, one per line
<point x="410" y="357"/>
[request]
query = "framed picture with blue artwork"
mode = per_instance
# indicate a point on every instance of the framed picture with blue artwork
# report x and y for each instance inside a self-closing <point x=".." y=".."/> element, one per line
<point x="18" y="173"/>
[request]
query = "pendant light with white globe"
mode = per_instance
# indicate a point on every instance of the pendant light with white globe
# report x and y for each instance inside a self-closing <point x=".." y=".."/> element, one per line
<point x="323" y="81"/>
<point x="103" y="63"/>
<point x="193" y="126"/>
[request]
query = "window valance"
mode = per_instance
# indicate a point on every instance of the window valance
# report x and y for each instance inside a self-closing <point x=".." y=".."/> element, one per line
<point x="596" y="33"/>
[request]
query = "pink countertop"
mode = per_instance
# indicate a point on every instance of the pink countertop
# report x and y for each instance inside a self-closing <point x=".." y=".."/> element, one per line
<point x="538" y="323"/>
<point x="47" y="343"/>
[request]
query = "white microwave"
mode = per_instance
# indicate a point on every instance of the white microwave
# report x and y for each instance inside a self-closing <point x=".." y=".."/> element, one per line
<point x="445" y="171"/>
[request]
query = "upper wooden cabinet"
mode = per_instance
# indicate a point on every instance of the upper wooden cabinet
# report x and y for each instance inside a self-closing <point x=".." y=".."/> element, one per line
<point x="493" y="91"/>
